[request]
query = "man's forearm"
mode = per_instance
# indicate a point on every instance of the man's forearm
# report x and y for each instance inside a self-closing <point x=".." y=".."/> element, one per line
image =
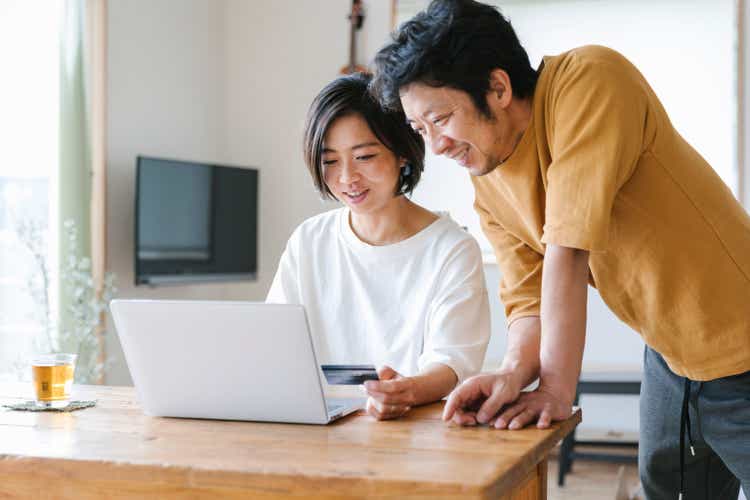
<point x="564" y="289"/>
<point x="522" y="354"/>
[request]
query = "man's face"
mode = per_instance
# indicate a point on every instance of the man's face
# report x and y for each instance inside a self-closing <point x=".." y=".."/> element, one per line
<point x="452" y="126"/>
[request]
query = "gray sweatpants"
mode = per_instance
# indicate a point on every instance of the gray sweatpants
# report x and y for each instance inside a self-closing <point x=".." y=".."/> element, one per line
<point x="720" y="426"/>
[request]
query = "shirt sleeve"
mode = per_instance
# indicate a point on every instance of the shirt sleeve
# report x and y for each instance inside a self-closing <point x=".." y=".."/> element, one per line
<point x="596" y="126"/>
<point x="285" y="287"/>
<point x="458" y="324"/>
<point x="520" y="268"/>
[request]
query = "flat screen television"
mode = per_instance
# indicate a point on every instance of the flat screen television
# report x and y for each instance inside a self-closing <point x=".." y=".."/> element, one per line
<point x="194" y="222"/>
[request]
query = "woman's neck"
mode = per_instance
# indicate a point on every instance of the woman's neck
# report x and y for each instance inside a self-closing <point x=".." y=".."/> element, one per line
<point x="399" y="220"/>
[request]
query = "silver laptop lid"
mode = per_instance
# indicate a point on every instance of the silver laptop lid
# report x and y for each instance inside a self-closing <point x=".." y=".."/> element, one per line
<point x="221" y="360"/>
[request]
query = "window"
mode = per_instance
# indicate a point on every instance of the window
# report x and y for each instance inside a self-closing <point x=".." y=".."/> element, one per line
<point x="29" y="50"/>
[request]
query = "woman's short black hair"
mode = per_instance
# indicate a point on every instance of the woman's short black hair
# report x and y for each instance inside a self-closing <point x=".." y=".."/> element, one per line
<point x="348" y="95"/>
<point x="456" y="44"/>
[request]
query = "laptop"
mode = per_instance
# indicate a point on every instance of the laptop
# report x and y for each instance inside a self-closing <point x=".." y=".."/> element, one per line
<point x="225" y="360"/>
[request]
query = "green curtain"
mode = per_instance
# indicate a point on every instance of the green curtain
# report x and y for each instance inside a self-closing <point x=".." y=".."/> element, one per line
<point x="75" y="152"/>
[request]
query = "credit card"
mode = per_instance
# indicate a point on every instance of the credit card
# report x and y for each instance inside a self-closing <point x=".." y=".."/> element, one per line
<point x="349" y="374"/>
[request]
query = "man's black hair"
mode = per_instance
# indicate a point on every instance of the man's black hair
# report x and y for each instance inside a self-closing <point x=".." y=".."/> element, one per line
<point x="456" y="44"/>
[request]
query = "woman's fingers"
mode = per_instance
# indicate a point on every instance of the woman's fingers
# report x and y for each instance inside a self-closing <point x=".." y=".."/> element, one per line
<point x="398" y="391"/>
<point x="392" y="398"/>
<point x="385" y="372"/>
<point x="383" y="411"/>
<point x="375" y="411"/>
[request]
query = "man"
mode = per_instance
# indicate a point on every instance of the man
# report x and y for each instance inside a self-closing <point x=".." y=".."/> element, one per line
<point x="580" y="179"/>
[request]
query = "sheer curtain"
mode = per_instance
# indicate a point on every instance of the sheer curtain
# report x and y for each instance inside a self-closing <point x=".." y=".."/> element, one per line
<point x="82" y="152"/>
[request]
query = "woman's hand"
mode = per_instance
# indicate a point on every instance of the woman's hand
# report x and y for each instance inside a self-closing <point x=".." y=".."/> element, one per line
<point x="390" y="397"/>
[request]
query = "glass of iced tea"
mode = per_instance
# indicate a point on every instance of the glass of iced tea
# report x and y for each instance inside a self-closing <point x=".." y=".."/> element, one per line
<point x="53" y="378"/>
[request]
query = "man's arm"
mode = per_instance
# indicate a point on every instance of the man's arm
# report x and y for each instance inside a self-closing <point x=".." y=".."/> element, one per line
<point x="522" y="353"/>
<point x="556" y="357"/>
<point x="564" y="290"/>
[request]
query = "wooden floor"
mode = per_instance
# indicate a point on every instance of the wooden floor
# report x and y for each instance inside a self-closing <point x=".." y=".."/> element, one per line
<point x="595" y="481"/>
<point x="590" y="480"/>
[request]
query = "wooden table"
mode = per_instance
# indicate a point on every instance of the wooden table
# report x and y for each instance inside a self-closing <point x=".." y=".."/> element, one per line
<point x="114" y="451"/>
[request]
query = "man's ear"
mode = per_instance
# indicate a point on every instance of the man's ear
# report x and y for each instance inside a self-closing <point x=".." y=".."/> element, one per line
<point x="500" y="89"/>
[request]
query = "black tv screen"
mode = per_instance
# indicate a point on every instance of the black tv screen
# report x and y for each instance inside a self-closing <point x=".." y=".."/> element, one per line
<point x="194" y="222"/>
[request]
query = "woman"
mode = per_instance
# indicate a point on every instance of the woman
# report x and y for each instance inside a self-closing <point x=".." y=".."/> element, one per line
<point x="384" y="281"/>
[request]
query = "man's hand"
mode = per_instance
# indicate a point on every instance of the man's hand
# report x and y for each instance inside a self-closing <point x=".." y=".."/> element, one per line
<point x="554" y="357"/>
<point x="479" y="398"/>
<point x="496" y="400"/>
<point x="542" y="406"/>
<point x="390" y="397"/>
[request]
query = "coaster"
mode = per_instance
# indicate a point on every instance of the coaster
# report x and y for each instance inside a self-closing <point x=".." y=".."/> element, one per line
<point x="32" y="406"/>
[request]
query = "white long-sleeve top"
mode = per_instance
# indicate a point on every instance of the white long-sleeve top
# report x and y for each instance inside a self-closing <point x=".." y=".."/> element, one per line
<point x="407" y="305"/>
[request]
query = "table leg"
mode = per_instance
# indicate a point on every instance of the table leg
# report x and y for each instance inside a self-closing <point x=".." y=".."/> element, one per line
<point x="542" y="468"/>
<point x="533" y="487"/>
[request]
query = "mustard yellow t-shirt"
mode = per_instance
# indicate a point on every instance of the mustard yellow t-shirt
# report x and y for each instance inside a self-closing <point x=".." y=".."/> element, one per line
<point x="601" y="168"/>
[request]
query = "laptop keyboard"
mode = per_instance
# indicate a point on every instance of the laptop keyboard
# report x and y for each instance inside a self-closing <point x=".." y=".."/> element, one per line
<point x="334" y="408"/>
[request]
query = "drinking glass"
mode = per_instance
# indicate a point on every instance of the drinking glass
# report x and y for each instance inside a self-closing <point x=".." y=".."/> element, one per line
<point x="53" y="378"/>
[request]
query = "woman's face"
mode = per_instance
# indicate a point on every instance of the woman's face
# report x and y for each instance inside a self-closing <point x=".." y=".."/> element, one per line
<point x="357" y="168"/>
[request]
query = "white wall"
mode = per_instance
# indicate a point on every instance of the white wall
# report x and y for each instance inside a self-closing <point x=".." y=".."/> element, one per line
<point x="278" y="55"/>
